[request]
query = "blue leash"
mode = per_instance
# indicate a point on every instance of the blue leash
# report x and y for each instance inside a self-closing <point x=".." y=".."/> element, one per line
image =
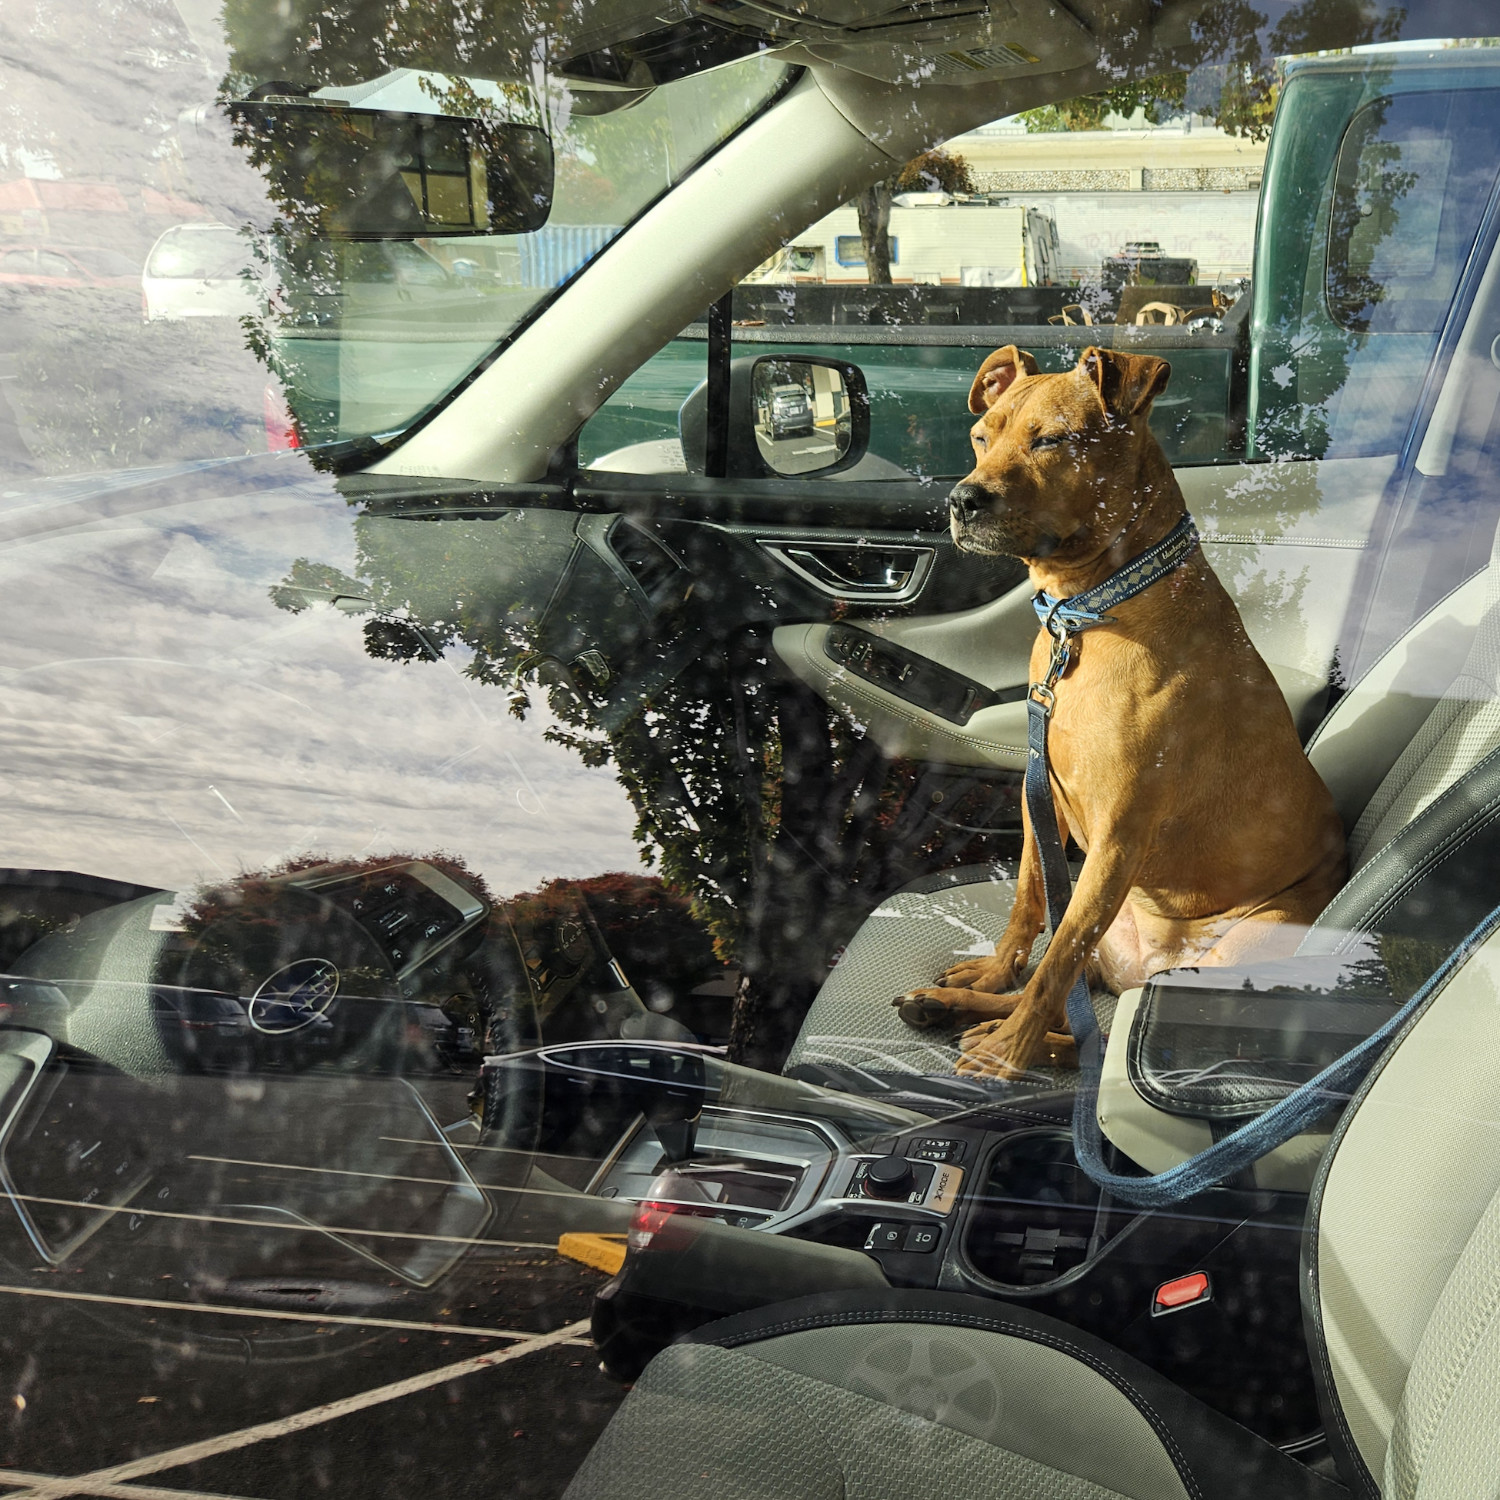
<point x="1063" y="619"/>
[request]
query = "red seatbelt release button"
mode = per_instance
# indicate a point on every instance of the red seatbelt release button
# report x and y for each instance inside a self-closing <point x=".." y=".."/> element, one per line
<point x="1185" y="1291"/>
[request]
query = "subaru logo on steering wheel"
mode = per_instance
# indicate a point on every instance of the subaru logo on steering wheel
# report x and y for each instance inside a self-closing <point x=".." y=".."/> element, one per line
<point x="294" y="997"/>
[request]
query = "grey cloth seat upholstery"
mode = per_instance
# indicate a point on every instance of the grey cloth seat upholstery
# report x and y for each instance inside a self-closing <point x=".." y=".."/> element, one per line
<point x="854" y="1038"/>
<point x="906" y="1394"/>
<point x="927" y="1394"/>
<point x="907" y="941"/>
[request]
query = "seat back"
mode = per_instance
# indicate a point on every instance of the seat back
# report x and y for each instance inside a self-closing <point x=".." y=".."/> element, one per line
<point x="1381" y="748"/>
<point x="1403" y="1284"/>
<point x="1460" y="731"/>
<point x="1412" y="756"/>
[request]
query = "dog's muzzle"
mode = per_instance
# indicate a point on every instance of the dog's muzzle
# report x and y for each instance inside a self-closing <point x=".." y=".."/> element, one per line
<point x="965" y="501"/>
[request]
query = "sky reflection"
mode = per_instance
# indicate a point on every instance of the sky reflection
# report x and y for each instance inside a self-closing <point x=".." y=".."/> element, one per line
<point x="162" y="722"/>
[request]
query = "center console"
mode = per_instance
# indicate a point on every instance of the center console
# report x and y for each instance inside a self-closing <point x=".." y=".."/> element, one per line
<point x="776" y="1189"/>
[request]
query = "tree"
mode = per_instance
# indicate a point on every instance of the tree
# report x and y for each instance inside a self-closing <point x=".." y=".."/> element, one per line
<point x="773" y="822"/>
<point x="1158" y="98"/>
<point x="1228" y="53"/>
<point x="931" y="172"/>
<point x="935" y="171"/>
<point x="873" y="210"/>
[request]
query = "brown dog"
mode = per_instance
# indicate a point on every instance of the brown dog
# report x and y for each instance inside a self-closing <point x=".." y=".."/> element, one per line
<point x="1175" y="764"/>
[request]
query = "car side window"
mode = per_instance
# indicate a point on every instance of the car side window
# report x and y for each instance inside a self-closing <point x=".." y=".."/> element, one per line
<point x="1006" y="247"/>
<point x="636" y="430"/>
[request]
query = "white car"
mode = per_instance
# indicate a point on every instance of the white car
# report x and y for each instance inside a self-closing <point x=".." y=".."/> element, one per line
<point x="198" y="271"/>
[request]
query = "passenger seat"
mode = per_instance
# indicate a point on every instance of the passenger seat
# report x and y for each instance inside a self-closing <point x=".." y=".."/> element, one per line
<point x="1412" y="730"/>
<point x="941" y="1394"/>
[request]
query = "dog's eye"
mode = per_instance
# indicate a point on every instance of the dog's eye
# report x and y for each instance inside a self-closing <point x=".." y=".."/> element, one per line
<point x="980" y="440"/>
<point x="1048" y="440"/>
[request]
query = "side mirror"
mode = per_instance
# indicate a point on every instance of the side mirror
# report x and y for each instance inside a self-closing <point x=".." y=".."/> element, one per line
<point x="789" y="415"/>
<point x="367" y="174"/>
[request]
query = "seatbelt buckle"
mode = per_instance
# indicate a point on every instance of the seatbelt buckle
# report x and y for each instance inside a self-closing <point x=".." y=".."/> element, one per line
<point x="1183" y="1291"/>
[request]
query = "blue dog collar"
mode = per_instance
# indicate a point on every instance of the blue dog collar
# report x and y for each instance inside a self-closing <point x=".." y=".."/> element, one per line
<point x="1079" y="612"/>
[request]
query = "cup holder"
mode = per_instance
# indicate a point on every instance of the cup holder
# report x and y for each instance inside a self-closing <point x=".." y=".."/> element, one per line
<point x="1038" y="1217"/>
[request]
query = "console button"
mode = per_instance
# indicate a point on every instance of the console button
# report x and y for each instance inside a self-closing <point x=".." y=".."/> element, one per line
<point x="921" y="1238"/>
<point x="935" y="1148"/>
<point x="741" y="1221"/>
<point x="885" y="1237"/>
<point x="890" y="1177"/>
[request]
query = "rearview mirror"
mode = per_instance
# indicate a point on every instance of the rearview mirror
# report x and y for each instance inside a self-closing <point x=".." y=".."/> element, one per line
<point x="364" y="174"/>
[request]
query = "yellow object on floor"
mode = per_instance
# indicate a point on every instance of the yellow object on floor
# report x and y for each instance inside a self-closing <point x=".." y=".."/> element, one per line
<point x="604" y="1252"/>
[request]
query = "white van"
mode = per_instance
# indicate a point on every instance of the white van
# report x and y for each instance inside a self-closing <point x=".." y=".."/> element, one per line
<point x="935" y="239"/>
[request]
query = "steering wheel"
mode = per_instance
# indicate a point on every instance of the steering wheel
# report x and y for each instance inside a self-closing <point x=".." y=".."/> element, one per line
<point x="290" y="1118"/>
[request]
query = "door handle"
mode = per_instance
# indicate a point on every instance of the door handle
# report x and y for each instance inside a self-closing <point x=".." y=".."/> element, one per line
<point x="877" y="571"/>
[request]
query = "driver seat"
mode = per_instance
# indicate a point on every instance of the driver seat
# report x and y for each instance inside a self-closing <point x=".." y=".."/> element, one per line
<point x="906" y="1394"/>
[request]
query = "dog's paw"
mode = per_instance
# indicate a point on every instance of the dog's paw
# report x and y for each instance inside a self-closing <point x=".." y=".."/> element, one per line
<point x="951" y="1007"/>
<point x="990" y="976"/>
<point x="1011" y="1047"/>
<point x="972" y="1036"/>
<point x="925" y="1009"/>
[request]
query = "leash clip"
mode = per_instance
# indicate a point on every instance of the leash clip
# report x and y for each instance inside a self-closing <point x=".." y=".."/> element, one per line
<point x="1062" y="654"/>
<point x="1041" y="693"/>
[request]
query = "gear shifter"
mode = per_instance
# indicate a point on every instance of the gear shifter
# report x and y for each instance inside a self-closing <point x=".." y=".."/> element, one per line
<point x="892" y="1176"/>
<point x="675" y="1103"/>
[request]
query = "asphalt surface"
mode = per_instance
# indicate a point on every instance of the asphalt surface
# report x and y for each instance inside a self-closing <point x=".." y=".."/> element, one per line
<point x="799" y="453"/>
<point x="87" y="387"/>
<point x="88" y="1388"/>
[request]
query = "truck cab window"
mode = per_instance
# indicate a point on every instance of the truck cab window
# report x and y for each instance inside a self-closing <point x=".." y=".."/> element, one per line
<point x="1408" y="192"/>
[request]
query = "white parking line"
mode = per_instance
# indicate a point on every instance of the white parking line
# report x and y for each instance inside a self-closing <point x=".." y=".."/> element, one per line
<point x="330" y="1411"/>
<point x="411" y="1140"/>
<point x="165" y="1304"/>
<point x="293" y="1166"/>
<point x="293" y="1226"/>
<point x="112" y="1491"/>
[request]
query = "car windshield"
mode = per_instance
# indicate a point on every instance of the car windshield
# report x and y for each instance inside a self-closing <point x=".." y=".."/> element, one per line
<point x="358" y="360"/>
<point x="244" y="315"/>
<point x="822" y="820"/>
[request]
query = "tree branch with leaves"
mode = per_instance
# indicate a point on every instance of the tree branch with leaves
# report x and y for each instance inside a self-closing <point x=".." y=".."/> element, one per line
<point x="935" y="171"/>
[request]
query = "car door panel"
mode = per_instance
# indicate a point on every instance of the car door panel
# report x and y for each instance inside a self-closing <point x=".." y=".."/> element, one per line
<point x="1285" y="539"/>
<point x="780" y="544"/>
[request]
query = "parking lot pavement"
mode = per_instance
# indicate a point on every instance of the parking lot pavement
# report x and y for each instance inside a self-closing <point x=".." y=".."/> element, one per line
<point x="799" y="453"/>
<point x="97" y="1398"/>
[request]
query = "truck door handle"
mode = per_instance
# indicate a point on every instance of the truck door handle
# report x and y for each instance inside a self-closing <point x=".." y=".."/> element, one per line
<point x="857" y="570"/>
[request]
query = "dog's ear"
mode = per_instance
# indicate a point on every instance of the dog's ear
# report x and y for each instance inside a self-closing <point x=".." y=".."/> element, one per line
<point x="996" y="375"/>
<point x="1127" y="383"/>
